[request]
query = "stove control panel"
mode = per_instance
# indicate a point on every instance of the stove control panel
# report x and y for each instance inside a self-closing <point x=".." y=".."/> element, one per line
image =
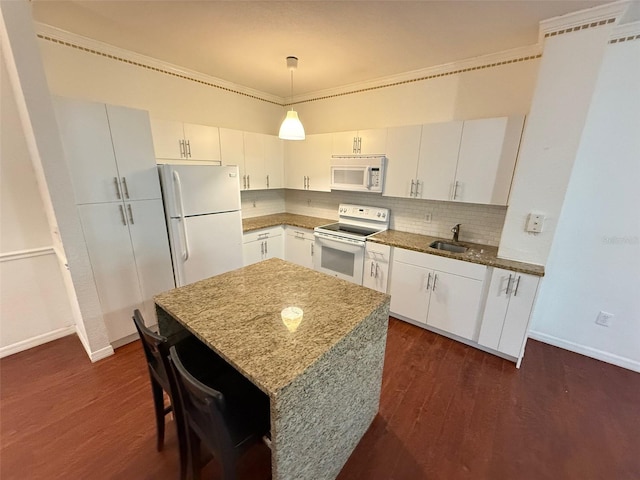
<point x="364" y="213"/>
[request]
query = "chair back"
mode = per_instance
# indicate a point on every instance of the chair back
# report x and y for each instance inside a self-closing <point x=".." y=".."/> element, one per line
<point x="155" y="350"/>
<point x="204" y="409"/>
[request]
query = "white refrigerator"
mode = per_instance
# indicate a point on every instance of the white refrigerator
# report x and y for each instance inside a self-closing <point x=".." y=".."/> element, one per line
<point x="202" y="207"/>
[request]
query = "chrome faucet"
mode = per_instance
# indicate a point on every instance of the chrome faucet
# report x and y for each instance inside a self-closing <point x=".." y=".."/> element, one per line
<point x="456" y="231"/>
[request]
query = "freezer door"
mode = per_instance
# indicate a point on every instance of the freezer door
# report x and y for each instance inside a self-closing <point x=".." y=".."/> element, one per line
<point x="199" y="189"/>
<point x="205" y="245"/>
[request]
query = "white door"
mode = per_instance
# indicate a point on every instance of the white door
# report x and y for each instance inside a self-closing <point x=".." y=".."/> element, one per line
<point x="168" y="138"/>
<point x="454" y="304"/>
<point x="106" y="232"/>
<point x="151" y="249"/>
<point x="256" y="176"/>
<point x="203" y="142"/>
<point x="200" y="189"/>
<point x="408" y="290"/>
<point x="253" y="252"/>
<point x="133" y="147"/>
<point x="213" y="246"/>
<point x="439" y="148"/>
<point x="274" y="161"/>
<point x="403" y="151"/>
<point x="514" y="332"/>
<point x="373" y="141"/>
<point x="86" y="138"/>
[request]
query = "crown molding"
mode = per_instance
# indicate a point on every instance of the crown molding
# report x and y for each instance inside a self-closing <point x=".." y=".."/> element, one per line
<point x="475" y="63"/>
<point x="625" y="31"/>
<point x="116" y="53"/>
<point x="581" y="18"/>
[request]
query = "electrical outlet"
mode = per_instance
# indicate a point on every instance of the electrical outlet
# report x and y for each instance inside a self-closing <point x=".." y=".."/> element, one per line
<point x="427" y="217"/>
<point x="604" y="319"/>
<point x="534" y="223"/>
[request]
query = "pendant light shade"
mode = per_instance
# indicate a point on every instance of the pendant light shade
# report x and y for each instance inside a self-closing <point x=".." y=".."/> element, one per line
<point x="291" y="128"/>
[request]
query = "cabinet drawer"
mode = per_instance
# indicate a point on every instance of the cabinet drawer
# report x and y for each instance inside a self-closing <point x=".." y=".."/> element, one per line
<point x="262" y="234"/>
<point x="443" y="264"/>
<point x="301" y="233"/>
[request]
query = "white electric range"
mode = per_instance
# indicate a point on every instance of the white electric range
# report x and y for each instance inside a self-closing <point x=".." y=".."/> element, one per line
<point x="340" y="246"/>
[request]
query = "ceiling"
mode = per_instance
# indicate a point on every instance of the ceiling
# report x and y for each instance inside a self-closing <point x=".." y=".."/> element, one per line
<point x="338" y="42"/>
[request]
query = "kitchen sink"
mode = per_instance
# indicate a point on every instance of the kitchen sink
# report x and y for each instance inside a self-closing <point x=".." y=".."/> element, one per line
<point x="449" y="247"/>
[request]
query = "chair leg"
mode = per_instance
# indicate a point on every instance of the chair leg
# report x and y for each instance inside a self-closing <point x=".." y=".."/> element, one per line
<point x="195" y="463"/>
<point x="158" y="403"/>
<point x="183" y="442"/>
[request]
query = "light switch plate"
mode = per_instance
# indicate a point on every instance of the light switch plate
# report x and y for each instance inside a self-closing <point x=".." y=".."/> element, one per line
<point x="535" y="222"/>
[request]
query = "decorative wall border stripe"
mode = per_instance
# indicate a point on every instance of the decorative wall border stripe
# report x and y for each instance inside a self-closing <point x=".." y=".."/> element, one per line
<point x="625" y="39"/>
<point x="579" y="27"/>
<point x="155" y="69"/>
<point x="418" y="79"/>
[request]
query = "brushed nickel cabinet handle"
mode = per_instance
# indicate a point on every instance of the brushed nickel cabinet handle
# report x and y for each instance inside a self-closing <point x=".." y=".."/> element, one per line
<point x="312" y="249"/>
<point x="244" y="181"/>
<point x="249" y="181"/>
<point x="435" y="279"/>
<point x="125" y="188"/>
<point x="124" y="218"/>
<point x="130" y="213"/>
<point x="429" y="281"/>
<point x="267" y="181"/>
<point x="515" y="292"/>
<point x="377" y="267"/>
<point x="412" y="185"/>
<point x="508" y="290"/>
<point x="188" y="149"/>
<point x="262" y="248"/>
<point x="115" y="180"/>
<point x="455" y="190"/>
<point x="182" y="149"/>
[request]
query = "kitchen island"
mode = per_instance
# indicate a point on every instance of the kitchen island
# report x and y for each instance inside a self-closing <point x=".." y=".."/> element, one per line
<point x="323" y="375"/>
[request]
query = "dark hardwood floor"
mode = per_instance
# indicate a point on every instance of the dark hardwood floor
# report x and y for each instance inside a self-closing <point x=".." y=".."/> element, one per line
<point x="447" y="411"/>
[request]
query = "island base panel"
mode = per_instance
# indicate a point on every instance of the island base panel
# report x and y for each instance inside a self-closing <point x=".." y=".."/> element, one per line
<point x="318" y="419"/>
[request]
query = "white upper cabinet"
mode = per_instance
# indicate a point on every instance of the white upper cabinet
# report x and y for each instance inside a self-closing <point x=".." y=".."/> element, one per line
<point x="307" y="163"/>
<point x="487" y="159"/>
<point x="109" y="151"/>
<point x="438" y="160"/>
<point x="274" y="161"/>
<point x="403" y="149"/>
<point x="232" y="148"/>
<point x="185" y="141"/>
<point x="362" y="142"/>
<point x="254" y="176"/>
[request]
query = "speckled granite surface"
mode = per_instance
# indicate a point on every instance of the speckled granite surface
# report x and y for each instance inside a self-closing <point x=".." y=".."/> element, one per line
<point x="302" y="221"/>
<point x="323" y="377"/>
<point x="482" y="254"/>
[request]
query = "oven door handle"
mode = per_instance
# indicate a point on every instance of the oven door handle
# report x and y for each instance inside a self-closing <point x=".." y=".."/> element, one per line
<point x="321" y="237"/>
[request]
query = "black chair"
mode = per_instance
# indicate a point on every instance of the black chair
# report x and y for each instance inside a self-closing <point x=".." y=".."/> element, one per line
<point x="156" y="350"/>
<point x="226" y="416"/>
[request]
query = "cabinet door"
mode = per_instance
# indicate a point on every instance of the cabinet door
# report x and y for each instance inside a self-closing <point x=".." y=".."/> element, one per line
<point x="403" y="151"/>
<point x="133" y="147"/>
<point x="344" y="143"/>
<point x="495" y="309"/>
<point x="274" y="161"/>
<point x="274" y="247"/>
<point x="203" y="142"/>
<point x="151" y="249"/>
<point x="299" y="248"/>
<point x="256" y="177"/>
<point x="376" y="266"/>
<point x="487" y="159"/>
<point x="252" y="252"/>
<point x="408" y="290"/>
<point x="454" y="304"/>
<point x="114" y="268"/>
<point x="168" y="137"/>
<point x="232" y="149"/>
<point x="373" y="141"/>
<point x="516" y="322"/>
<point x="86" y="137"/>
<point x="439" y="148"/>
<point x="319" y="162"/>
<point x="295" y="160"/>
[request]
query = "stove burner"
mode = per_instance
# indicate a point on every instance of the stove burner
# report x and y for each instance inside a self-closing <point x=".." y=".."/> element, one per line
<point x="352" y="229"/>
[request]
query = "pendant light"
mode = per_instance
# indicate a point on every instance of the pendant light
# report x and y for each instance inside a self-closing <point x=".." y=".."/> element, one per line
<point x="291" y="128"/>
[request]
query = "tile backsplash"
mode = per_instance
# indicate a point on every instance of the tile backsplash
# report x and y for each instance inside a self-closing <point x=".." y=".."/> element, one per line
<point x="480" y="223"/>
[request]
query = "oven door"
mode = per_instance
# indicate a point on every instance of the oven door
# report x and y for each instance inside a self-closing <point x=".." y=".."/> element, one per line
<point x="340" y="257"/>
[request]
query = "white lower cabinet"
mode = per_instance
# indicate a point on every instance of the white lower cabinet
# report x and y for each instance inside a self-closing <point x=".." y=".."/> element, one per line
<point x="440" y="292"/>
<point x="262" y="244"/>
<point x="376" y="266"/>
<point x="505" y="320"/>
<point x="129" y="253"/>
<point x="299" y="246"/>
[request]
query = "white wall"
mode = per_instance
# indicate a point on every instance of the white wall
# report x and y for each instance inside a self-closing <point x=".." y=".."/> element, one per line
<point x="33" y="303"/>
<point x="594" y="262"/>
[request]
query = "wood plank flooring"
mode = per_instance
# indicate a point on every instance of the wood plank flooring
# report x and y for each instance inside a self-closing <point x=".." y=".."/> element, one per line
<point x="447" y="411"/>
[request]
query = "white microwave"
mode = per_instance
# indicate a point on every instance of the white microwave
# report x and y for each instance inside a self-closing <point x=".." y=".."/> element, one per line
<point x="358" y="174"/>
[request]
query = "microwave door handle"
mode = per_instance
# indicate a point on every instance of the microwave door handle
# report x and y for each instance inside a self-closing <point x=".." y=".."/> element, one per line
<point x="368" y="176"/>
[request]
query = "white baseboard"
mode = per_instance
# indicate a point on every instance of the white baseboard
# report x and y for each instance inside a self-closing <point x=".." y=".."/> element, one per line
<point x="587" y="351"/>
<point x="98" y="354"/>
<point x="37" y="340"/>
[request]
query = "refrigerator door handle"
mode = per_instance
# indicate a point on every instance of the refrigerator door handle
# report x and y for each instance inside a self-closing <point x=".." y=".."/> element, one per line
<point x="176" y="179"/>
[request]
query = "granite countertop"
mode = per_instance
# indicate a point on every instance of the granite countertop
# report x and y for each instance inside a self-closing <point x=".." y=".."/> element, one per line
<point x="476" y="253"/>
<point x="238" y="315"/>
<point x="301" y="221"/>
